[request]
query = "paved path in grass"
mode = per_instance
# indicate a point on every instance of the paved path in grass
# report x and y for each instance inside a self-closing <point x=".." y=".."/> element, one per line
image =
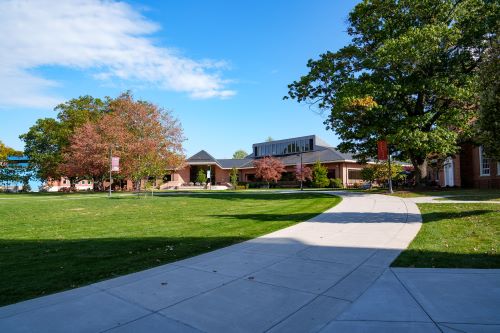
<point x="328" y="274"/>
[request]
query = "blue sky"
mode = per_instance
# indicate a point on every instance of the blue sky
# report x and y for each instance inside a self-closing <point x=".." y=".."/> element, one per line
<point x="222" y="67"/>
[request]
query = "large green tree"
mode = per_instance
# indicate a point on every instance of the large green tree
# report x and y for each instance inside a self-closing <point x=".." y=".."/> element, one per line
<point x="44" y="143"/>
<point x="488" y="124"/>
<point x="408" y="76"/>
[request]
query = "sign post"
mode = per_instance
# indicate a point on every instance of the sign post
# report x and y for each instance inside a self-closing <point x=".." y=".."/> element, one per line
<point x="114" y="165"/>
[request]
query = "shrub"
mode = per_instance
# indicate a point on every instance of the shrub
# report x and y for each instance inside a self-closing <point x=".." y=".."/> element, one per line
<point x="201" y="177"/>
<point x="336" y="183"/>
<point x="320" y="175"/>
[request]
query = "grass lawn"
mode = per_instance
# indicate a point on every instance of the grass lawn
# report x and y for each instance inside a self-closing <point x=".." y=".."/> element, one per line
<point x="454" y="194"/>
<point x="455" y="236"/>
<point x="50" y="243"/>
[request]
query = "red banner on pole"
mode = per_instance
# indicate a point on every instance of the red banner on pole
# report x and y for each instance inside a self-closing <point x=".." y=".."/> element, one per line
<point x="382" y="150"/>
<point x="115" y="164"/>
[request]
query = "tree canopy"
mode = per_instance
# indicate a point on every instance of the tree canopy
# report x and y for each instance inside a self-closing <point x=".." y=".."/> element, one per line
<point x="488" y="124"/>
<point x="240" y="154"/>
<point x="408" y="75"/>
<point x="269" y="169"/>
<point x="77" y="144"/>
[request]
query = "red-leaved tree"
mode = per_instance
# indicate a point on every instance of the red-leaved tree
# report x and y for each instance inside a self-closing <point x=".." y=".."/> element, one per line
<point x="303" y="173"/>
<point x="269" y="169"/>
<point x="147" y="139"/>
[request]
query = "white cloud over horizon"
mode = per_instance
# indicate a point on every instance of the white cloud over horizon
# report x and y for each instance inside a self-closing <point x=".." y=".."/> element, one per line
<point x="109" y="39"/>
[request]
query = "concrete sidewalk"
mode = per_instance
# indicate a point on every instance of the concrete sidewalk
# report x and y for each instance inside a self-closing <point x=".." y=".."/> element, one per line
<point x="328" y="274"/>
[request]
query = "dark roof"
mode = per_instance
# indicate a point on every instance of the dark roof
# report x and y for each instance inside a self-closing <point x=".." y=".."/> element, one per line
<point x="202" y="157"/>
<point x="228" y="163"/>
<point x="327" y="154"/>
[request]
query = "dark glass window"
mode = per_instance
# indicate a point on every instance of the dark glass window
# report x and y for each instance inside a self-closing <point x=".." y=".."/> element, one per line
<point x="311" y="144"/>
<point x="354" y="174"/>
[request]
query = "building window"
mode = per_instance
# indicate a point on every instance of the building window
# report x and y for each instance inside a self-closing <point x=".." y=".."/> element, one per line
<point x="498" y="168"/>
<point x="484" y="163"/>
<point x="354" y="174"/>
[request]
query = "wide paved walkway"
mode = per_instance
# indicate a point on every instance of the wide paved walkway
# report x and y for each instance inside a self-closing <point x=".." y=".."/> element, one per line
<point x="329" y="274"/>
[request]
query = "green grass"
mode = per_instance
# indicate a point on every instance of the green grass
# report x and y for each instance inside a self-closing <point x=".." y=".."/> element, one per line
<point x="53" y="242"/>
<point x="454" y="194"/>
<point x="455" y="236"/>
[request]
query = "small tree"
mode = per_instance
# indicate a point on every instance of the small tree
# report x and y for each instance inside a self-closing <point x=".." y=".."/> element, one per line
<point x="303" y="173"/>
<point x="201" y="176"/>
<point x="368" y="174"/>
<point x="269" y="169"/>
<point x="320" y="175"/>
<point x="239" y="154"/>
<point x="234" y="177"/>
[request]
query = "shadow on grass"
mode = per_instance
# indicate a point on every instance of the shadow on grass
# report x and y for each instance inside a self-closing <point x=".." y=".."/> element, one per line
<point x="448" y="215"/>
<point x="32" y="268"/>
<point x="231" y="196"/>
<point x="435" y="259"/>
<point x="329" y="217"/>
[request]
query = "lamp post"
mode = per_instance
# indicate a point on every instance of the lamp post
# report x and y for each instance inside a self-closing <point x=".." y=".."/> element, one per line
<point x="390" y="173"/>
<point x="301" y="171"/>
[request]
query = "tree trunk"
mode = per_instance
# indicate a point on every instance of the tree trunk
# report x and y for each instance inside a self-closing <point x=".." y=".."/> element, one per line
<point x="420" y="166"/>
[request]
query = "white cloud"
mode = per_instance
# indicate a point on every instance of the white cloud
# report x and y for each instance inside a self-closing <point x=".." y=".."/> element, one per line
<point x="108" y="38"/>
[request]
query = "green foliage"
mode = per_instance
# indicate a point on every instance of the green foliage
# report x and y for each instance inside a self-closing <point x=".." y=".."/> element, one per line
<point x="408" y="75"/>
<point x="336" y="183"/>
<point x="234" y="177"/>
<point x="489" y="112"/>
<point x="201" y="176"/>
<point x="380" y="172"/>
<point x="320" y="175"/>
<point x="368" y="174"/>
<point x="46" y="140"/>
<point x="8" y="151"/>
<point x="43" y="144"/>
<point x="240" y="154"/>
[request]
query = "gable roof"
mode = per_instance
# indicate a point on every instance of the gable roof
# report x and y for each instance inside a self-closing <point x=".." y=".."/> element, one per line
<point x="202" y="157"/>
<point x="324" y="153"/>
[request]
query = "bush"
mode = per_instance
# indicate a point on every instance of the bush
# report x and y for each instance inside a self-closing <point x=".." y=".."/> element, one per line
<point x="319" y="174"/>
<point x="241" y="187"/>
<point x="201" y="177"/>
<point x="336" y="183"/>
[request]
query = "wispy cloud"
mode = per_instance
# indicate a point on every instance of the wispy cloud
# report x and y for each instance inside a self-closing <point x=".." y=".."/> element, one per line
<point x="110" y="39"/>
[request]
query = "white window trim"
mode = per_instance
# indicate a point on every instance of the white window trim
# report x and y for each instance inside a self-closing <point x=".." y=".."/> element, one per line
<point x="481" y="163"/>
<point x="498" y="168"/>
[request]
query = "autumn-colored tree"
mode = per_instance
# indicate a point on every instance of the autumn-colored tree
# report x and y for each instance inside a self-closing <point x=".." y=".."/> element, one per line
<point x="147" y="139"/>
<point x="269" y="169"/>
<point x="8" y="151"/>
<point x="88" y="153"/>
<point x="157" y="138"/>
<point x="303" y="173"/>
